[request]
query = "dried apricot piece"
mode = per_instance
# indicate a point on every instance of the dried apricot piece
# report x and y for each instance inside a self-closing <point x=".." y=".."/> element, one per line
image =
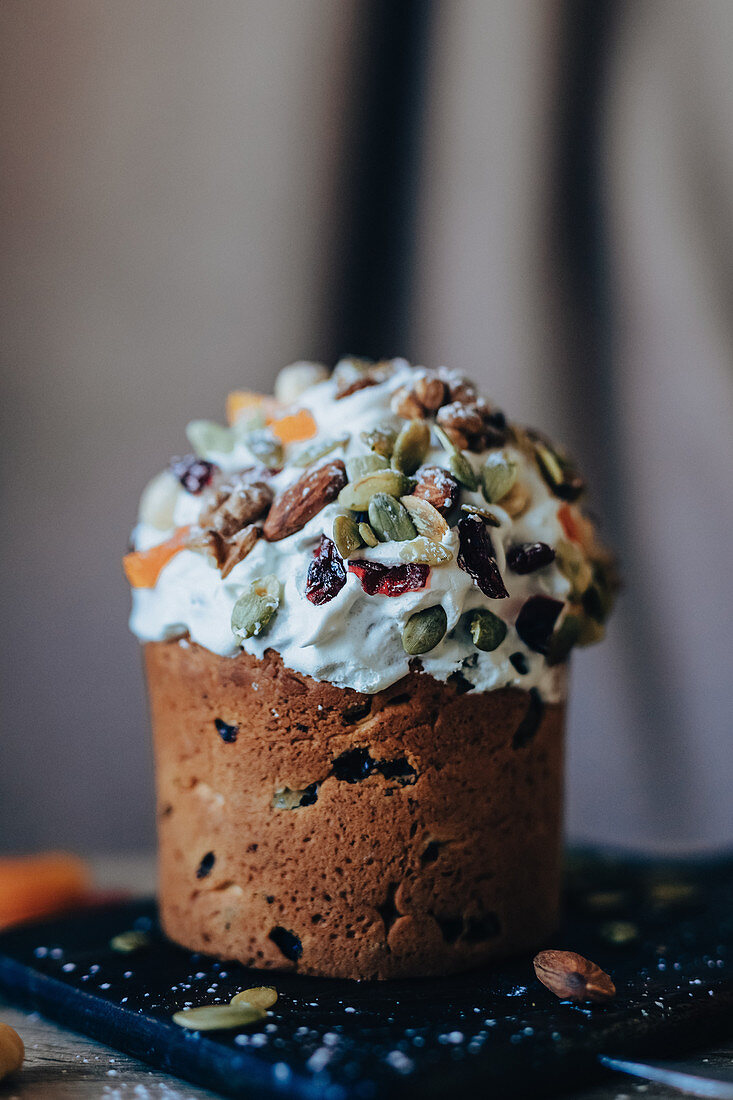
<point x="143" y="567"/>
<point x="293" y="428"/>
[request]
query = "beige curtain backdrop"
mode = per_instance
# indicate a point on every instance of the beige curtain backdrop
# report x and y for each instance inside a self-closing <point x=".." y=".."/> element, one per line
<point x="172" y="173"/>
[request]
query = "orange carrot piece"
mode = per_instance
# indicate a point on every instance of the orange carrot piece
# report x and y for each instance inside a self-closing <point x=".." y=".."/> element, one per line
<point x="143" y="567"/>
<point x="294" y="427"/>
<point x="37" y="886"/>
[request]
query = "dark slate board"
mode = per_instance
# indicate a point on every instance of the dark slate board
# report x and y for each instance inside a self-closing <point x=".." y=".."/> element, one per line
<point x="340" y="1040"/>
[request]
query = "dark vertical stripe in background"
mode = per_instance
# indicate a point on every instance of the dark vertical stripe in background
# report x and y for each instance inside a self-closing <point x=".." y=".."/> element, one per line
<point x="374" y="269"/>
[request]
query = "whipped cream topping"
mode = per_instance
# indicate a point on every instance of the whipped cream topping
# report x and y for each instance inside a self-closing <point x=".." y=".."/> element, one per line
<point x="355" y="639"/>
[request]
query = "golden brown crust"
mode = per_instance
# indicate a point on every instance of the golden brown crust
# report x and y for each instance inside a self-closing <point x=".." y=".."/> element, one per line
<point x="445" y="855"/>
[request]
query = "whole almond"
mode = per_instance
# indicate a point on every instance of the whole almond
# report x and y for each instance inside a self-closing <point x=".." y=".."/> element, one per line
<point x="301" y="501"/>
<point x="572" y="977"/>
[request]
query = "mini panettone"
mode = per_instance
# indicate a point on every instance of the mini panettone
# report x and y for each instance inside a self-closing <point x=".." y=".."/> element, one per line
<point x="358" y="602"/>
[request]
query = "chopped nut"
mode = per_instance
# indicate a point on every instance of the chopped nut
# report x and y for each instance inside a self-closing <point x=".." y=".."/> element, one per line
<point x="430" y="391"/>
<point x="572" y="977"/>
<point x="237" y="501"/>
<point x="438" y="487"/>
<point x="405" y="404"/>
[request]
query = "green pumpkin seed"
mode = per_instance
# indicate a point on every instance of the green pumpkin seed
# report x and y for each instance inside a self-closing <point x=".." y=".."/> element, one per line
<point x="205" y="436"/>
<point x="428" y="520"/>
<point x="356" y="495"/>
<point x="573" y="564"/>
<point x="262" y="996"/>
<point x="426" y="551"/>
<point x="389" y="519"/>
<point x="487" y="630"/>
<point x="361" y="465"/>
<point x="549" y="464"/>
<point x="264" y="446"/>
<point x="313" y="451"/>
<point x="590" y="631"/>
<point x="219" y="1017"/>
<point x="424" y="630"/>
<point x="498" y="474"/>
<point x="127" y="942"/>
<point x="463" y="471"/>
<point x="254" y="609"/>
<point x="381" y="440"/>
<point x="158" y="501"/>
<point x="368" y="535"/>
<point x="346" y="535"/>
<point x="564" y="638"/>
<point x="486" y="515"/>
<point x="411" y="446"/>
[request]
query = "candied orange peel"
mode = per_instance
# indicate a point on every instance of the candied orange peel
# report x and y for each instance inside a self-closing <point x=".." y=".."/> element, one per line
<point x="143" y="567"/>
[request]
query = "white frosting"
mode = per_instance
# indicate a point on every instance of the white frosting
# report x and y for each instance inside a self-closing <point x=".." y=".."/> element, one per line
<point x="355" y="640"/>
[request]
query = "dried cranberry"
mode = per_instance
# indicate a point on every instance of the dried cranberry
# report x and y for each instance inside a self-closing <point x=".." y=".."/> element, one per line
<point x="193" y="473"/>
<point x="526" y="557"/>
<point x="389" y="580"/>
<point x="531" y="722"/>
<point x="536" y="621"/>
<point x="326" y="573"/>
<point x="477" y="557"/>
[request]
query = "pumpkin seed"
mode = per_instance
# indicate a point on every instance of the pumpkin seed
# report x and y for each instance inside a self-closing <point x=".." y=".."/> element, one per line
<point x="426" y="551"/>
<point x="590" y="631"/>
<point x="458" y="464"/>
<point x="254" y="609"/>
<point x="562" y="641"/>
<point x="424" y="630"/>
<point x="367" y="534"/>
<point x="427" y="519"/>
<point x="389" y="519"/>
<point x="356" y="495"/>
<point x="558" y="472"/>
<point x="219" y="1017"/>
<point x="411" y="446"/>
<point x="265" y="447"/>
<point x="516" y="502"/>
<point x="486" y="515"/>
<point x="463" y="471"/>
<point x="381" y="440"/>
<point x="313" y="451"/>
<point x="126" y="942"/>
<point x="206" y="436"/>
<point x="487" y="630"/>
<point x="346" y="535"/>
<point x="158" y="501"/>
<point x="262" y="996"/>
<point x="573" y="564"/>
<point x="361" y="465"/>
<point x="498" y="474"/>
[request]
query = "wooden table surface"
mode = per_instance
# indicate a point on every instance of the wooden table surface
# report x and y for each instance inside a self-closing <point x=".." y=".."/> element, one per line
<point x="61" y="1065"/>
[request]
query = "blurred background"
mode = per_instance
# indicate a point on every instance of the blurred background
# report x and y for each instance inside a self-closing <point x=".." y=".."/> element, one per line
<point x="539" y="194"/>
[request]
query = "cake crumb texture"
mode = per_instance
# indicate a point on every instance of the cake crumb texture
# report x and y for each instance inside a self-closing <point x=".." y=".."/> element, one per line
<point x="309" y="827"/>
